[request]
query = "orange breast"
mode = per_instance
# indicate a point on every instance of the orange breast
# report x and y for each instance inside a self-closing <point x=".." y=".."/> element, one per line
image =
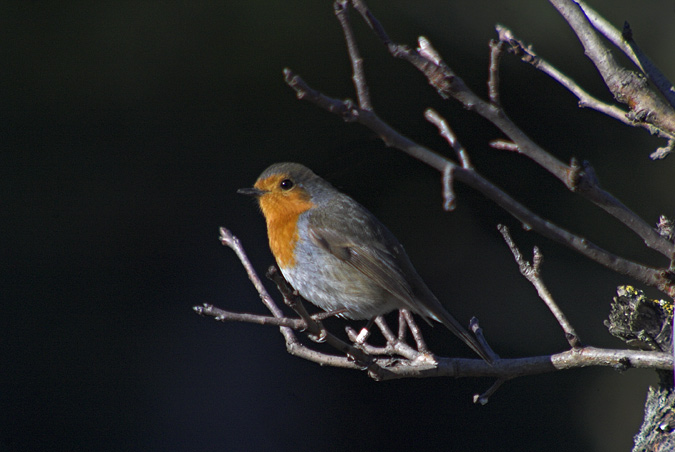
<point x="283" y="236"/>
<point x="282" y="210"/>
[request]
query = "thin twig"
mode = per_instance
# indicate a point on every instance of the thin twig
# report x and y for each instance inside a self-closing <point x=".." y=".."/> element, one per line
<point x="386" y="331"/>
<point x="358" y="76"/>
<point x="229" y="240"/>
<point x="527" y="54"/>
<point x="496" y="51"/>
<point x="504" y="145"/>
<point x="474" y="326"/>
<point x="449" y="198"/>
<point x="393" y="344"/>
<point x="227" y="316"/>
<point x="386" y="354"/>
<point x="531" y="273"/>
<point x="402" y="326"/>
<point x="446" y="132"/>
<point x="484" y="397"/>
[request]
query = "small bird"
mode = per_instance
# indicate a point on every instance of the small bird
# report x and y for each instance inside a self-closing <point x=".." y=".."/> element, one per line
<point x="337" y="255"/>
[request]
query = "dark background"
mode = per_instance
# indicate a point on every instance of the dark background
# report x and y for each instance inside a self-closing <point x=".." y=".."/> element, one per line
<point x="126" y="128"/>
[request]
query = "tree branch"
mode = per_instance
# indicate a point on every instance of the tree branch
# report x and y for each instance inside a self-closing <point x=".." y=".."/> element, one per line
<point x="381" y="362"/>
<point x="659" y="278"/>
<point x="624" y="41"/>
<point x="531" y="273"/>
<point x="414" y="367"/>
<point x="528" y="55"/>
<point x="626" y="86"/>
<point x="448" y="84"/>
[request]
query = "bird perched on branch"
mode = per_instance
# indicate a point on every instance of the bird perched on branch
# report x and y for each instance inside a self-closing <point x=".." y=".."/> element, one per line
<point x="337" y="255"/>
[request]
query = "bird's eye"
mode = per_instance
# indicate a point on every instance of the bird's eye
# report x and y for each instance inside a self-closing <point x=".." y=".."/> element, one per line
<point x="286" y="184"/>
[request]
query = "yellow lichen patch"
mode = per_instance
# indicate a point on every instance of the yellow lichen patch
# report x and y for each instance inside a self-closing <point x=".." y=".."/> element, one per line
<point x="665" y="305"/>
<point x="282" y="209"/>
<point x="631" y="291"/>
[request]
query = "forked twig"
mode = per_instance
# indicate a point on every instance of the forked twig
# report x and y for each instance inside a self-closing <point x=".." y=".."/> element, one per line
<point x="626" y="86"/>
<point x="531" y="273"/>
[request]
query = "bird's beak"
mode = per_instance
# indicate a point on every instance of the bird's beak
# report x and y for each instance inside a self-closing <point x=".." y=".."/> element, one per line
<point x="252" y="191"/>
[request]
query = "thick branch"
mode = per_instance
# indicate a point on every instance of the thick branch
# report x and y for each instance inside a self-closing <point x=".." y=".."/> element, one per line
<point x="626" y="86"/>
<point x="624" y="41"/>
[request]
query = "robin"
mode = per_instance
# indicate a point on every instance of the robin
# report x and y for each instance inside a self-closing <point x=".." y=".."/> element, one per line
<point x="337" y="255"/>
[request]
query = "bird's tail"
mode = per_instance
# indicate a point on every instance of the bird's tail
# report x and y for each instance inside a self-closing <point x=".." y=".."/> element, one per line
<point x="444" y="317"/>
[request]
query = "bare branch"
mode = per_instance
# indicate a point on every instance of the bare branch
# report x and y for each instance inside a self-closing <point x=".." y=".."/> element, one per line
<point x="448" y="84"/>
<point x="531" y="273"/>
<point x="496" y="51"/>
<point x="358" y="76"/>
<point x="527" y="54"/>
<point x="229" y="240"/>
<point x="626" y="86"/>
<point x="484" y="397"/>
<point x="446" y="132"/>
<point x="504" y="145"/>
<point x="394" y="345"/>
<point x="474" y="326"/>
<point x="402" y="326"/>
<point x="624" y="41"/>
<point x="380" y="363"/>
<point x="658" y="278"/>
<point x="417" y="366"/>
<point x="209" y="310"/>
<point x="416" y="332"/>
<point x="386" y="331"/>
<point x="449" y="198"/>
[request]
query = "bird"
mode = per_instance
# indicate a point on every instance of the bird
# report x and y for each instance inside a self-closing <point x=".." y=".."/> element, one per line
<point x="339" y="256"/>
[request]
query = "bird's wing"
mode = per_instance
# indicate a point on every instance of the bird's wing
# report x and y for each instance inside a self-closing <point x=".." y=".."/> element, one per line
<point x="366" y="245"/>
